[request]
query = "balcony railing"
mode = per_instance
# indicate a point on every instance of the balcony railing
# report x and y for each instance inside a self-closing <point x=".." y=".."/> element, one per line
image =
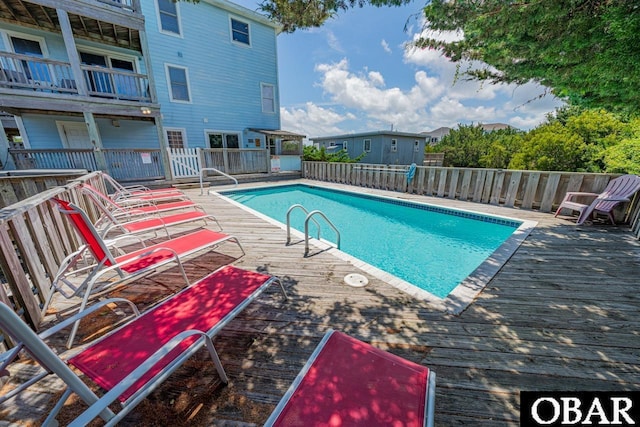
<point x="47" y="75"/>
<point x="126" y="85"/>
<point x="124" y="4"/>
<point x="28" y="72"/>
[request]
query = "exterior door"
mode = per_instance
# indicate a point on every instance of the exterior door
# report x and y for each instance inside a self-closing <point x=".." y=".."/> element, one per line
<point x="74" y="135"/>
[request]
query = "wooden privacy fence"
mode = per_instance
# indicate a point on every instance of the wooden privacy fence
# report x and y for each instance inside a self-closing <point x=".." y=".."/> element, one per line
<point x="19" y="185"/>
<point x="537" y="190"/>
<point x="34" y="240"/>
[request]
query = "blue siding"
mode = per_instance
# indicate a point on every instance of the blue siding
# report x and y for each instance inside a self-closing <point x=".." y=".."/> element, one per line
<point x="130" y="134"/>
<point x="42" y="132"/>
<point x="224" y="77"/>
<point x="380" y="147"/>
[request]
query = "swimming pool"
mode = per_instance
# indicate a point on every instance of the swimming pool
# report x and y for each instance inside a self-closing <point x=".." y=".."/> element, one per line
<point x="430" y="247"/>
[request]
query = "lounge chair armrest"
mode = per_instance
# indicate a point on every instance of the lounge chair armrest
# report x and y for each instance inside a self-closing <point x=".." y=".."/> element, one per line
<point x="71" y="320"/>
<point x="94" y="410"/>
<point x="7" y="358"/>
<point x="174" y="254"/>
<point x="113" y="242"/>
<point x="572" y="194"/>
<point x="130" y="202"/>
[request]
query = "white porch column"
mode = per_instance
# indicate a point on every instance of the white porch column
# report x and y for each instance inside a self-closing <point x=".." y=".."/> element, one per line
<point x="96" y="141"/>
<point x="7" y="160"/>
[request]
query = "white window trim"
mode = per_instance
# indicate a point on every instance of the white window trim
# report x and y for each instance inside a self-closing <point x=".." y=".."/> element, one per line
<point x="416" y="146"/>
<point x="345" y="145"/>
<point x="186" y="72"/>
<point x="275" y="104"/>
<point x="237" y="43"/>
<point x="364" y="145"/>
<point x="394" y="145"/>
<point x="183" y="131"/>
<point x="169" y="33"/>
<point x="6" y="38"/>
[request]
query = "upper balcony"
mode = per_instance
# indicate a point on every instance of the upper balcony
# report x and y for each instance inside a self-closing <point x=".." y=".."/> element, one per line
<point x="31" y="83"/>
<point x="111" y="22"/>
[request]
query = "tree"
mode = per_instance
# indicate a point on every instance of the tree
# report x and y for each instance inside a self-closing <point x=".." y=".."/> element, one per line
<point x="586" y="51"/>
<point x="463" y="147"/>
<point x="301" y="14"/>
<point x="502" y="145"/>
<point x="552" y="147"/>
<point x="313" y="154"/>
<point x="624" y="157"/>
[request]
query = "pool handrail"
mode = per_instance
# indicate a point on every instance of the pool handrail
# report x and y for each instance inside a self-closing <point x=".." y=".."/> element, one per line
<point x="214" y="170"/>
<point x="291" y="208"/>
<point x="306" y="229"/>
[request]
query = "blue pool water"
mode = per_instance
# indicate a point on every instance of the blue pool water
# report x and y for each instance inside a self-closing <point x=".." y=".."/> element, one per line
<point x="430" y="247"/>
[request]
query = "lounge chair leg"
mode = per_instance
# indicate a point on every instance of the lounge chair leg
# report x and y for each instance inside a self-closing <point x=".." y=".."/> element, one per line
<point x="216" y="360"/>
<point x="284" y="293"/>
<point x="51" y="418"/>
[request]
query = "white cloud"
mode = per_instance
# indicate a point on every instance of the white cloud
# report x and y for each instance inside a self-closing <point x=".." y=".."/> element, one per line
<point x="438" y="95"/>
<point x="385" y="46"/>
<point x="312" y="120"/>
<point x="333" y="42"/>
<point x="368" y="93"/>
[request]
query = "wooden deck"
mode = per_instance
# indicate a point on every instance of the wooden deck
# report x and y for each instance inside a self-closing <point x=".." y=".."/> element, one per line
<point x="562" y="314"/>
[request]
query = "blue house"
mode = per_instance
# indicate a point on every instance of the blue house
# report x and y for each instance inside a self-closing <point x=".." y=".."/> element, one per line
<point x="111" y="76"/>
<point x="381" y="147"/>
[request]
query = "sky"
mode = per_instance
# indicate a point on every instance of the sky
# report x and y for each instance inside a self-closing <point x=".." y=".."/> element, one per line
<point x="358" y="73"/>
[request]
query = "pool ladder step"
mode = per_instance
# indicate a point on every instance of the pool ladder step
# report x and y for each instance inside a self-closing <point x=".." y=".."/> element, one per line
<point x="309" y="217"/>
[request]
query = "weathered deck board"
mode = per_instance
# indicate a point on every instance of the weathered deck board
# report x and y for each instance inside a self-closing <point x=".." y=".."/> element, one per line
<point x="561" y="314"/>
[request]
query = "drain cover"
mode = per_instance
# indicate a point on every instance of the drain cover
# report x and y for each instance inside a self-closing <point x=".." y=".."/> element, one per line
<point x="356" y="280"/>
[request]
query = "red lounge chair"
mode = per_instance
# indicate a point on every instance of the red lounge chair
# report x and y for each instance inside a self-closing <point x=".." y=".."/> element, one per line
<point x="164" y="223"/>
<point x="350" y="383"/>
<point x="133" y="360"/>
<point x="115" y="270"/>
<point x="617" y="191"/>
<point x="108" y="223"/>
<point x="129" y="211"/>
<point x="141" y="192"/>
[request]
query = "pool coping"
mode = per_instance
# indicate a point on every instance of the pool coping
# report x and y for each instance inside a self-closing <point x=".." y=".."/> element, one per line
<point x="459" y="298"/>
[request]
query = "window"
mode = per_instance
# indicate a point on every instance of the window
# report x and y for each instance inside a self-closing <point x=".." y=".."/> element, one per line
<point x="178" y="84"/>
<point x="176" y="138"/>
<point x="345" y="145"/>
<point x="223" y="140"/>
<point x="367" y="145"/>
<point x="169" y="20"/>
<point x="31" y="70"/>
<point x="240" y="32"/>
<point x="416" y="146"/>
<point x="394" y="145"/>
<point x="268" y="98"/>
<point x="103" y="82"/>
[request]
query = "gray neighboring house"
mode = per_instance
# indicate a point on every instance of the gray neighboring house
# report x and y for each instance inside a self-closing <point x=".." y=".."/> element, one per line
<point x="436" y="135"/>
<point x="381" y="147"/>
